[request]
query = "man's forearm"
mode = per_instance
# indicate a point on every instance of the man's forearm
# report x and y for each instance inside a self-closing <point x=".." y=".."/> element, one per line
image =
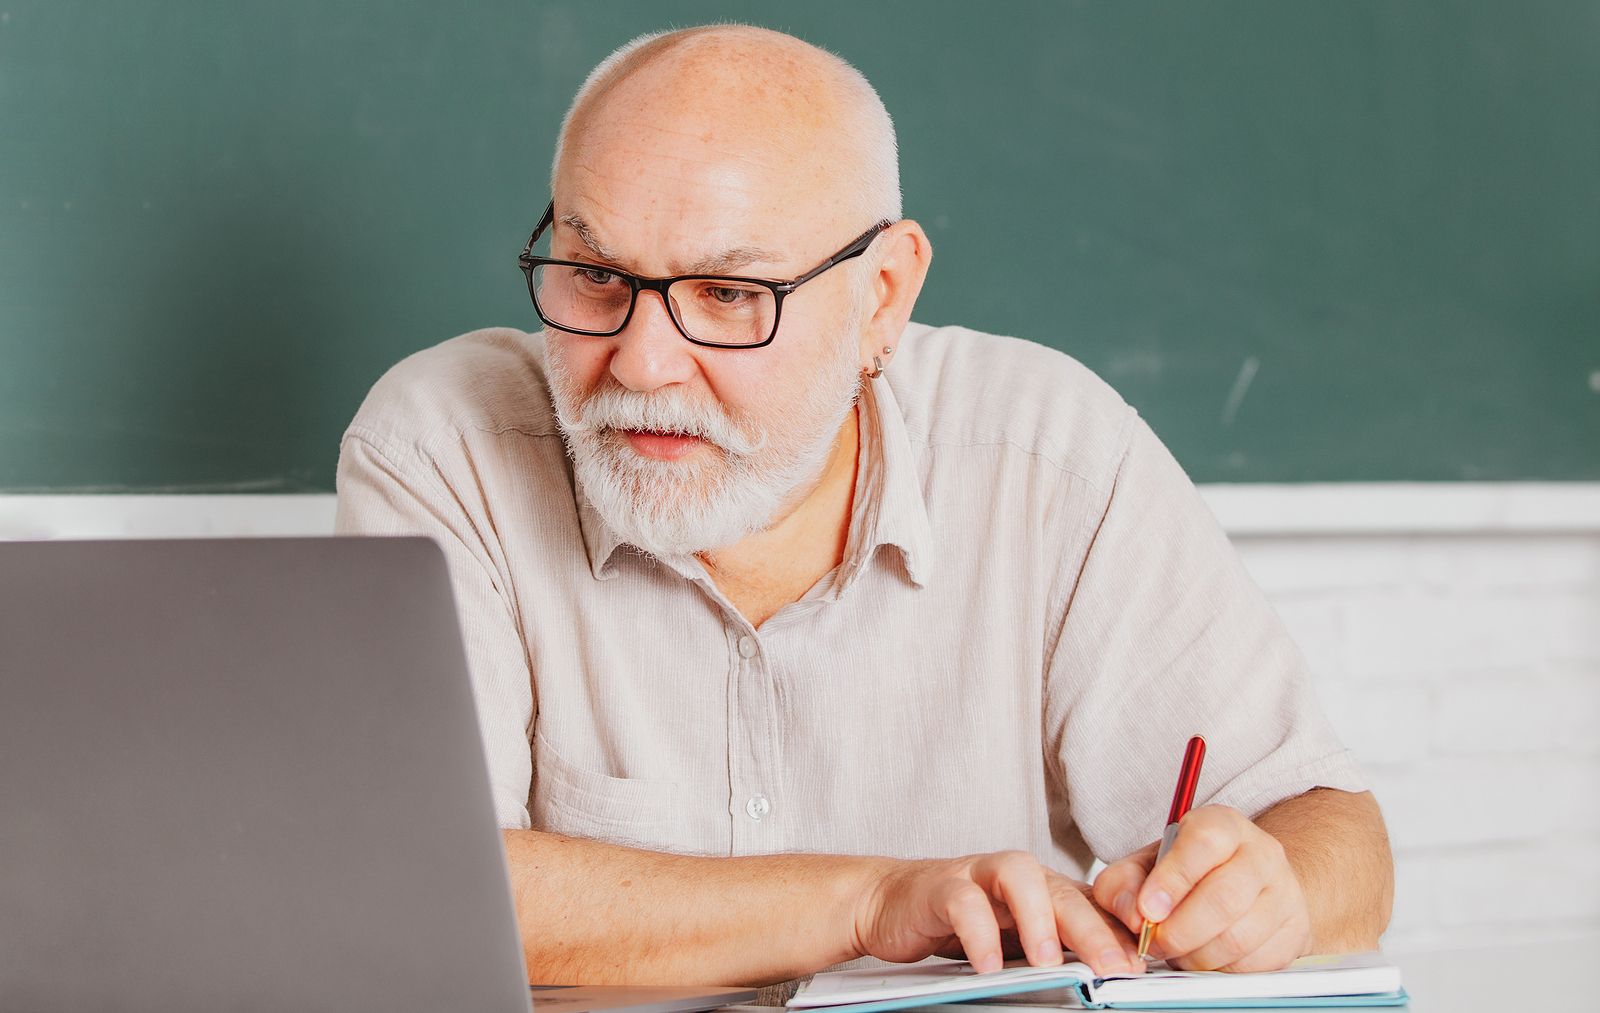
<point x="601" y="914"/>
<point x="1337" y="845"/>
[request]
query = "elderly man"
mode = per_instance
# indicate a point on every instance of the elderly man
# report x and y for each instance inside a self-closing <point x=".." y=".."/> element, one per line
<point x="801" y="633"/>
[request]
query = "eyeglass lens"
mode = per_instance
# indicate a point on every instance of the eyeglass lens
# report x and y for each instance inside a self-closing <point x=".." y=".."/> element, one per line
<point x="714" y="310"/>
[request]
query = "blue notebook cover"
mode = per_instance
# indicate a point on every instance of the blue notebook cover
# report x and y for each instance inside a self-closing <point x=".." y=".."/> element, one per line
<point x="1373" y="999"/>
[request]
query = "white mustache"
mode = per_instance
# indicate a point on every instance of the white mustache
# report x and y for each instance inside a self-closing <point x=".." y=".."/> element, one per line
<point x="665" y="412"/>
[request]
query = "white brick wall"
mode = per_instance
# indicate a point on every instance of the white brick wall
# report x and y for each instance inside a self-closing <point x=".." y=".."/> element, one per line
<point x="1464" y="669"/>
<point x="1453" y="630"/>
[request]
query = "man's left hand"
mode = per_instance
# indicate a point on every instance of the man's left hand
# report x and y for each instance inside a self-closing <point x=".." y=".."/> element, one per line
<point x="1225" y="895"/>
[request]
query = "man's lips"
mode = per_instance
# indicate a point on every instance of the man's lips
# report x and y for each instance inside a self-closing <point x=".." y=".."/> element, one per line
<point x="661" y="446"/>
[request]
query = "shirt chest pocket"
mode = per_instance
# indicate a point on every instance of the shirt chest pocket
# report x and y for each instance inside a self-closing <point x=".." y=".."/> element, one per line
<point x="568" y="799"/>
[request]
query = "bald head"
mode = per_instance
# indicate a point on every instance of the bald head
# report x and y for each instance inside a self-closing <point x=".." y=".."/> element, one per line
<point x="769" y="119"/>
<point x="738" y="153"/>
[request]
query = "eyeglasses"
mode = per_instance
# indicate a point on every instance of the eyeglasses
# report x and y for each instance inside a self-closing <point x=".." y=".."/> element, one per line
<point x="709" y="309"/>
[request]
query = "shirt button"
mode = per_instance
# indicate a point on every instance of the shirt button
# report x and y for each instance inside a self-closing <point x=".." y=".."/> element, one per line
<point x="758" y="806"/>
<point x="747" y="649"/>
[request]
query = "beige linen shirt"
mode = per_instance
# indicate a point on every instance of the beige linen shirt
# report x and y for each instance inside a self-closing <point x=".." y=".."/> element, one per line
<point x="1035" y="610"/>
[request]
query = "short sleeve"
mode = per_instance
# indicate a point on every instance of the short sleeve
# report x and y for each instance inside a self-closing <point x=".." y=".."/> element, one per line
<point x="377" y="496"/>
<point x="1165" y="636"/>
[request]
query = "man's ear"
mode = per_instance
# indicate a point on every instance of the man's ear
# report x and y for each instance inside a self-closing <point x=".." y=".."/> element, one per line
<point x="902" y="267"/>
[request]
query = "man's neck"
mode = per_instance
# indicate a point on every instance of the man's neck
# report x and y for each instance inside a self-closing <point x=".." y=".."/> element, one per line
<point x="763" y="572"/>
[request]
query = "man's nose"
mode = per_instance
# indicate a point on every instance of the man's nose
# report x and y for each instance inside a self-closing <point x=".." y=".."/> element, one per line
<point x="651" y="352"/>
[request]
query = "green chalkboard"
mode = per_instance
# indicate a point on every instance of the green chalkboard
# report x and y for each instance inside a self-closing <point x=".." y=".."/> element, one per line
<point x="1310" y="241"/>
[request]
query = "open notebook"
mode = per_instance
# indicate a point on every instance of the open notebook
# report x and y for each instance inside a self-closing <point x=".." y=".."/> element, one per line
<point x="1357" y="979"/>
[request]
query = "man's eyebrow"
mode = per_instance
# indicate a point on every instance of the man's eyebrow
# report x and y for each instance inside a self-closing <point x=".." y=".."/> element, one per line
<point x="717" y="263"/>
<point x="590" y="240"/>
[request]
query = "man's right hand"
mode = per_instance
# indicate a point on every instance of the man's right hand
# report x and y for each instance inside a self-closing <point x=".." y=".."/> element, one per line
<point x="986" y="908"/>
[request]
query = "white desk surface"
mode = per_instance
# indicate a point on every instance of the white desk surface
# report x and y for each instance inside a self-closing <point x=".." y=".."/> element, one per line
<point x="1555" y="977"/>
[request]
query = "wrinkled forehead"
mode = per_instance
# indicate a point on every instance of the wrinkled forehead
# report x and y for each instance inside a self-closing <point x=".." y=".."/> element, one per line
<point x="663" y="173"/>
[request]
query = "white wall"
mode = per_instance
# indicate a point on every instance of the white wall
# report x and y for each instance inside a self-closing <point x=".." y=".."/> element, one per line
<point x="1454" y="632"/>
<point x="1464" y="669"/>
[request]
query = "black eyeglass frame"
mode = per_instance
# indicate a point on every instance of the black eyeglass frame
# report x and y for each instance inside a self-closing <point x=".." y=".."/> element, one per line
<point x="527" y="261"/>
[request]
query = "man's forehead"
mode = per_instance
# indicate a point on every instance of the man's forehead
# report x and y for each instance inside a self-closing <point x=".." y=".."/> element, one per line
<point x="675" y="202"/>
<point x="689" y="192"/>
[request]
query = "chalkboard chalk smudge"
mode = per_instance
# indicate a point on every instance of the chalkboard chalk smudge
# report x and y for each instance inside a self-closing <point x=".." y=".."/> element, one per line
<point x="1139" y="363"/>
<point x="1241" y="385"/>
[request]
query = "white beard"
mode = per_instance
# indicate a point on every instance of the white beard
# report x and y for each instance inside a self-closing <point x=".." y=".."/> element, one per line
<point x="678" y="508"/>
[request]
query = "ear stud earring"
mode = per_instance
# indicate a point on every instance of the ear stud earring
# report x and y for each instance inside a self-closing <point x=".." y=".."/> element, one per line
<point x="877" y="365"/>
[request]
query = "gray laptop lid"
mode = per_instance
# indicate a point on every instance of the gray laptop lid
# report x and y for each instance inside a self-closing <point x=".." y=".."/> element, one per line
<point x="244" y="774"/>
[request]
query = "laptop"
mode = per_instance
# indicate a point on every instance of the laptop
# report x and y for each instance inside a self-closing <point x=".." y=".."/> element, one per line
<point x="246" y="774"/>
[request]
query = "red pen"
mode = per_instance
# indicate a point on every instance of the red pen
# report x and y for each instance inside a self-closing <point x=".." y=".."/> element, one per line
<point x="1182" y="799"/>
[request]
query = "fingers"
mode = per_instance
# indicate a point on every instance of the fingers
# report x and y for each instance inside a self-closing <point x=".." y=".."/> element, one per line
<point x="1046" y="910"/>
<point x="1117" y="886"/>
<point x="1231" y="899"/>
<point x="1017" y="880"/>
<point x="1237" y="941"/>
<point x="987" y="905"/>
<point x="1207" y="838"/>
<point x="965" y="907"/>
<point x="1217" y="907"/>
<point x="1283" y="947"/>
<point x="1088" y="932"/>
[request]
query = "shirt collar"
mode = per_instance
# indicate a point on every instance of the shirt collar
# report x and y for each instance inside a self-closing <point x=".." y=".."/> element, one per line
<point x="889" y="507"/>
<point x="598" y="537"/>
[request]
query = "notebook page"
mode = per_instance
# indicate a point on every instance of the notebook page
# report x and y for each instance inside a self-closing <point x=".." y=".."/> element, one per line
<point x="1346" y="974"/>
<point x="873" y="984"/>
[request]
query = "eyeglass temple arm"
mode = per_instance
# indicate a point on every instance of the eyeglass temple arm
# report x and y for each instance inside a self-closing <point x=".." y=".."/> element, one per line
<point x="544" y="223"/>
<point x="857" y="247"/>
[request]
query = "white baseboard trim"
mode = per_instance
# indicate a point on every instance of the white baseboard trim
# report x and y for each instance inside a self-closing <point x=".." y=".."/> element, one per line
<point x="1245" y="510"/>
<point x="123" y="515"/>
<point x="1406" y="508"/>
